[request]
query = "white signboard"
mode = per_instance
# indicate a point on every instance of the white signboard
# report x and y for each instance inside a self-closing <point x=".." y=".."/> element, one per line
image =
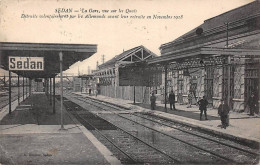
<point x="26" y="63"/>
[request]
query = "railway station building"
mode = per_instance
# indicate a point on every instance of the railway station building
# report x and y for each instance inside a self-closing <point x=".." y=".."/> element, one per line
<point x="124" y="76"/>
<point x="219" y="59"/>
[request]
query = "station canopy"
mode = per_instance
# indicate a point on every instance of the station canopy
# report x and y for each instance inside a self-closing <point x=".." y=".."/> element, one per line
<point x="71" y="54"/>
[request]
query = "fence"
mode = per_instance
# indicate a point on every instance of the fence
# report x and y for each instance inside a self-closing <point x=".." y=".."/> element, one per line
<point x="142" y="93"/>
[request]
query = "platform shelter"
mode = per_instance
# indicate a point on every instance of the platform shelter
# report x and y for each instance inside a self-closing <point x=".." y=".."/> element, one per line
<point x="36" y="61"/>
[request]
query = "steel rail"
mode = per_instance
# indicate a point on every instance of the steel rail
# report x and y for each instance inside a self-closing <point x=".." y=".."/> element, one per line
<point x="175" y="160"/>
<point x="82" y="99"/>
<point x="210" y="139"/>
<point x="103" y="102"/>
<point x="14" y="98"/>
<point x="213" y="153"/>
<point x="205" y="150"/>
<point x="98" y="131"/>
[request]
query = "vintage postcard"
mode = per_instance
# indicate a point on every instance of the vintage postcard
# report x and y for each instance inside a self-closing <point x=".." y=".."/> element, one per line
<point x="120" y="82"/>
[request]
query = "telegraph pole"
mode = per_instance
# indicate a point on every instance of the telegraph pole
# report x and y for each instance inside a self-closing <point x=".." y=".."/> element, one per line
<point x="97" y="66"/>
<point x="103" y="59"/>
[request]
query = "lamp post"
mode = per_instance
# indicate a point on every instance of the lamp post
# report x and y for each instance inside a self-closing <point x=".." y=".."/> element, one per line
<point x="61" y="90"/>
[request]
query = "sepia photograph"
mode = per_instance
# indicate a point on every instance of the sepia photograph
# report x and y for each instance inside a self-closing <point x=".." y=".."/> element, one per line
<point x="129" y="82"/>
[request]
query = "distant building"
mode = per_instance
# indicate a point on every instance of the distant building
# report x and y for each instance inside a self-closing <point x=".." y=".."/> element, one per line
<point x="125" y="69"/>
<point x="126" y="76"/>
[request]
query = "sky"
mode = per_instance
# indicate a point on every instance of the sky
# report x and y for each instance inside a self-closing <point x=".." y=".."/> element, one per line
<point x="112" y="35"/>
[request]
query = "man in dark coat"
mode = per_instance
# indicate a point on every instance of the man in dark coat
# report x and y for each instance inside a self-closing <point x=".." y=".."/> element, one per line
<point x="172" y="100"/>
<point x="223" y="111"/>
<point x="153" y="99"/>
<point x="189" y="99"/>
<point x="203" y="107"/>
<point x="252" y="103"/>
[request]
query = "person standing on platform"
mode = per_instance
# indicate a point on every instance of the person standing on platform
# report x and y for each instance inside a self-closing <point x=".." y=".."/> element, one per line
<point x="172" y="100"/>
<point x="223" y="111"/>
<point x="252" y="103"/>
<point x="153" y="99"/>
<point x="189" y="99"/>
<point x="203" y="107"/>
<point x="96" y="93"/>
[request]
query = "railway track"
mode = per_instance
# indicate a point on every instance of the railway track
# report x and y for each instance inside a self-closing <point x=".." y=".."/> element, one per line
<point x="172" y="138"/>
<point x="4" y="98"/>
<point x="130" y="149"/>
<point x="5" y="101"/>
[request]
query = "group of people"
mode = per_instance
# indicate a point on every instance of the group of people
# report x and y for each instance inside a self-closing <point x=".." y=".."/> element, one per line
<point x="171" y="101"/>
<point x="223" y="109"/>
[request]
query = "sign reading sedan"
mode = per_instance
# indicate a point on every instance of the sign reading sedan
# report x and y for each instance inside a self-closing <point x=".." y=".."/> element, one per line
<point x="26" y="63"/>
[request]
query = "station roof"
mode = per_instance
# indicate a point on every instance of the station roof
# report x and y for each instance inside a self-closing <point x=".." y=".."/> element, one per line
<point x="247" y="13"/>
<point x="210" y="38"/>
<point x="202" y="53"/>
<point x="72" y="53"/>
<point x="127" y="54"/>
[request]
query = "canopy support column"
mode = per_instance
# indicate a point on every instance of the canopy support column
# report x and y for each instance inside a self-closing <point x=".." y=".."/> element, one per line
<point x="61" y="90"/>
<point x="47" y="87"/>
<point x="134" y="93"/>
<point x="53" y="99"/>
<point x="10" y="87"/>
<point x="165" y="88"/>
<point x="18" y="85"/>
<point x="26" y="87"/>
<point x="23" y="88"/>
<point x="30" y="87"/>
<point x="50" y="93"/>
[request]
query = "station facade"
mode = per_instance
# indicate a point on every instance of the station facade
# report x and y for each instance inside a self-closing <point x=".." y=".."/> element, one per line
<point x="218" y="59"/>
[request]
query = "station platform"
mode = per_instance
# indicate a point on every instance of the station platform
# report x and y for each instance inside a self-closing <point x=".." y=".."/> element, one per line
<point x="242" y="127"/>
<point x="31" y="135"/>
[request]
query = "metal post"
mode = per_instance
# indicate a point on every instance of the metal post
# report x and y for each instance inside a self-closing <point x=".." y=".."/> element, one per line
<point x="229" y="82"/>
<point x="30" y="87"/>
<point x="53" y="99"/>
<point x="134" y="93"/>
<point x="26" y="86"/>
<point x="80" y="84"/>
<point x="47" y="87"/>
<point x="23" y="88"/>
<point x="227" y="36"/>
<point x="37" y="87"/>
<point x="10" y="87"/>
<point x="4" y="81"/>
<point x="50" y="93"/>
<point x="165" y="88"/>
<point x="61" y="91"/>
<point x="229" y="73"/>
<point x="18" y="84"/>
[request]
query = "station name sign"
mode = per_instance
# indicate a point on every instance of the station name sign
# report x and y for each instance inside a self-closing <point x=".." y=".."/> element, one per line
<point x="26" y="63"/>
